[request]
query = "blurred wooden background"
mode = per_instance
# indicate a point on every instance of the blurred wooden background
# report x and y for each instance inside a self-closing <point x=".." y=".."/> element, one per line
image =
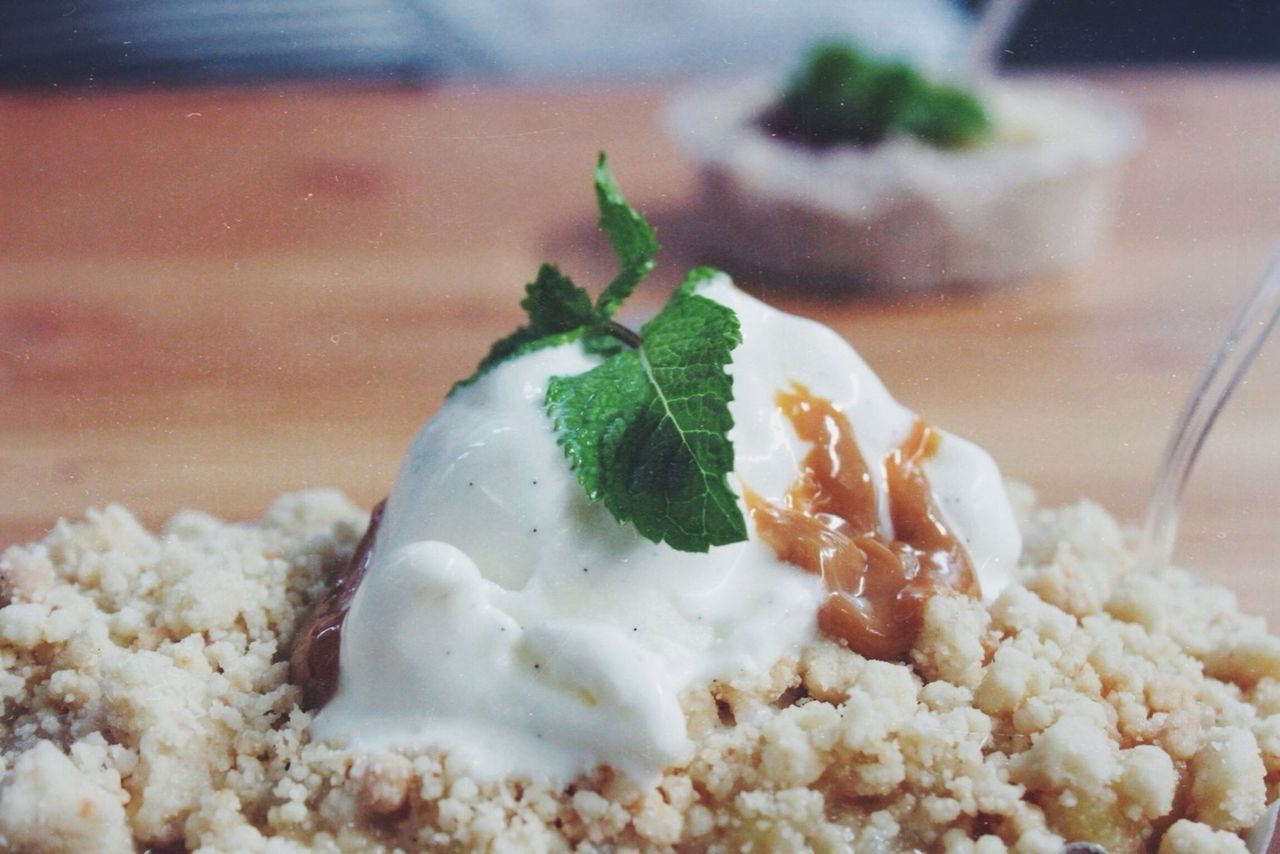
<point x="209" y="297"/>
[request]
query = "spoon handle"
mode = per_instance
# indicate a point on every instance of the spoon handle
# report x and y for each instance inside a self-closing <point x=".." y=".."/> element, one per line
<point x="990" y="33"/>
<point x="1253" y="323"/>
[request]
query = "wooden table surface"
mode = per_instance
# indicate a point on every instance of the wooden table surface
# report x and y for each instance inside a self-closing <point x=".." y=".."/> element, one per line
<point x="211" y="297"/>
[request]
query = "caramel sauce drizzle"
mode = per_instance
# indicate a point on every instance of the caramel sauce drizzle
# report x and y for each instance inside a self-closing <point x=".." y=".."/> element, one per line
<point x="828" y="525"/>
<point x="313" y="660"/>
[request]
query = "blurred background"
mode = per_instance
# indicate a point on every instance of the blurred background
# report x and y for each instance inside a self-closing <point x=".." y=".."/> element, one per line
<point x="95" y="43"/>
<point x="247" y="245"/>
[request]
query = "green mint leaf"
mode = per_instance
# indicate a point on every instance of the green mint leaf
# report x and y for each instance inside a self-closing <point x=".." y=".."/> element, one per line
<point x="695" y="278"/>
<point x="633" y="239"/>
<point x="558" y="312"/>
<point x="841" y="95"/>
<point x="946" y="117"/>
<point x="590" y="411"/>
<point x="646" y="431"/>
<point x="556" y="304"/>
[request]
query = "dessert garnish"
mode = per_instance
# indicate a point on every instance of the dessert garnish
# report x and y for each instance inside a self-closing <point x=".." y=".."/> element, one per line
<point x="646" y="430"/>
<point x="842" y="95"/>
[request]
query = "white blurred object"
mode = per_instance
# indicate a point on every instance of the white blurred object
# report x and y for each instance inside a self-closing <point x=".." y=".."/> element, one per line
<point x="93" y="42"/>
<point x="901" y="216"/>
<point x="558" y="39"/>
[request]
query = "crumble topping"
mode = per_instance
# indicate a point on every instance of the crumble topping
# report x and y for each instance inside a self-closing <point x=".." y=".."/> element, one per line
<point x="145" y="703"/>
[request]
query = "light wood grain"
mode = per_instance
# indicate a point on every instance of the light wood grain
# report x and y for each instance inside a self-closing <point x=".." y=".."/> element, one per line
<point x="208" y="298"/>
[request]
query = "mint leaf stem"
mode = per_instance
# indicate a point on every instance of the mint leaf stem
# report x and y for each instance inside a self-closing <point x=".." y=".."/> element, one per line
<point x="623" y="334"/>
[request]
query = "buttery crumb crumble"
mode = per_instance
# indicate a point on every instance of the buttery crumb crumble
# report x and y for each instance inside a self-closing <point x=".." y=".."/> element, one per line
<point x="146" y="703"/>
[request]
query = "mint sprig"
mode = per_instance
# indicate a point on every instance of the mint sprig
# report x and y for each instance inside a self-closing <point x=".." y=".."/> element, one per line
<point x="646" y="430"/>
<point x="558" y="310"/>
<point x="634" y="242"/>
<point x="842" y="95"/>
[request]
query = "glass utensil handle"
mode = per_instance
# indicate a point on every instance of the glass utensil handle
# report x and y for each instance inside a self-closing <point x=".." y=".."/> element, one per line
<point x="1253" y="323"/>
<point x="990" y="33"/>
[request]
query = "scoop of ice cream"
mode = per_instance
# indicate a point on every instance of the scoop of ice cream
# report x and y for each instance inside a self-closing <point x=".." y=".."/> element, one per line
<point x="509" y="620"/>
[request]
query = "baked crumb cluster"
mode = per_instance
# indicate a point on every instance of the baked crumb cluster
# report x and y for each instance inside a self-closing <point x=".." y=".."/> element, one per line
<point x="146" y="703"/>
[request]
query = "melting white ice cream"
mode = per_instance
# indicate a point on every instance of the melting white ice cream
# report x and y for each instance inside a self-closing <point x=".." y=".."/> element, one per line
<point x="508" y="620"/>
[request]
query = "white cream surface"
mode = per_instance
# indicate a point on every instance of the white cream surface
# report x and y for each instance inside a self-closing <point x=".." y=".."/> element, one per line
<point x="509" y="621"/>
